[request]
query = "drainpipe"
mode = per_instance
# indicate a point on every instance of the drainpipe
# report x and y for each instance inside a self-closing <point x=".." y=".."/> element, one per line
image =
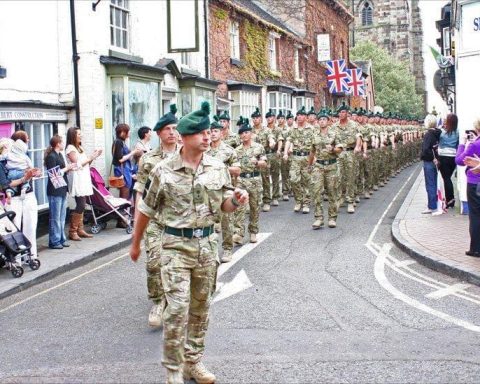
<point x="75" y="59"/>
<point x="205" y="15"/>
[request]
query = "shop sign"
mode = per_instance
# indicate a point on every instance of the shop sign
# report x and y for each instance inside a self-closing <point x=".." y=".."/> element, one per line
<point x="470" y="27"/>
<point x="323" y="47"/>
<point x="32" y="115"/>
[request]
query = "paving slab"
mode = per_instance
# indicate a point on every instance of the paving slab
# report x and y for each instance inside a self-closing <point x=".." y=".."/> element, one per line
<point x="438" y="242"/>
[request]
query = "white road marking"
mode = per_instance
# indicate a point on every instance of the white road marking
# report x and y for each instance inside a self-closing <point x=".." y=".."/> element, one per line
<point x="239" y="283"/>
<point x="450" y="290"/>
<point x="404" y="263"/>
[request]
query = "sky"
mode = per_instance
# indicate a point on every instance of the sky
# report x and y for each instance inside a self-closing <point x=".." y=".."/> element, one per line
<point x="430" y="12"/>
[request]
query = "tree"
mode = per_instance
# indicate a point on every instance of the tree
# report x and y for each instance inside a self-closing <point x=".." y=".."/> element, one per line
<point x="393" y="81"/>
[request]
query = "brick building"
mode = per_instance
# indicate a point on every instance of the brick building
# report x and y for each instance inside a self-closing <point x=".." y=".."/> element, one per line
<point x="394" y="25"/>
<point x="367" y="102"/>
<point x="264" y="58"/>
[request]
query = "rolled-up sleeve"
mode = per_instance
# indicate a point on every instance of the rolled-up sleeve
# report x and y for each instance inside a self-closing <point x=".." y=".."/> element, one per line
<point x="153" y="196"/>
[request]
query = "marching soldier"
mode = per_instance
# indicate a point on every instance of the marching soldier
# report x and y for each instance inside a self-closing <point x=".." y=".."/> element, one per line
<point x="226" y="154"/>
<point x="285" y="164"/>
<point x="323" y="155"/>
<point x="252" y="158"/>
<point x="189" y="191"/>
<point x="275" y="157"/>
<point x="312" y="118"/>
<point x="298" y="143"/>
<point x="167" y="133"/>
<point x="229" y="137"/>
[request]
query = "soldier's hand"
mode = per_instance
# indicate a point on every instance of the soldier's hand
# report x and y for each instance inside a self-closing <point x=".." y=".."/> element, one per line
<point x="134" y="252"/>
<point x="241" y="196"/>
<point x="285" y="157"/>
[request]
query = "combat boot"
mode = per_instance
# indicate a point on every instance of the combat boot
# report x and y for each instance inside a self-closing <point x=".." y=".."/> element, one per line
<point x="317" y="224"/>
<point x="237" y="239"/>
<point x="275" y="202"/>
<point x="227" y="256"/>
<point x="332" y="223"/>
<point x="285" y="198"/>
<point x="306" y="209"/>
<point x="367" y="195"/>
<point x="266" y="208"/>
<point x="253" y="238"/>
<point x="357" y="199"/>
<point x="198" y="372"/>
<point x="350" y="208"/>
<point x="174" y="377"/>
<point x="375" y="187"/>
<point x="297" y="207"/>
<point x="155" y="316"/>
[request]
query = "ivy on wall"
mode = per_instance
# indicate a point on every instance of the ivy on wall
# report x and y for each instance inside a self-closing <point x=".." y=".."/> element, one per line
<point x="256" y="40"/>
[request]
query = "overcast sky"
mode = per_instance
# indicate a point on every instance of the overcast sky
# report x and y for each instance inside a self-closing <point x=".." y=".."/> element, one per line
<point x="430" y="11"/>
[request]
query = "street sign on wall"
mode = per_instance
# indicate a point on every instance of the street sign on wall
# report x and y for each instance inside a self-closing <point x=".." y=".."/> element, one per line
<point x="323" y="47"/>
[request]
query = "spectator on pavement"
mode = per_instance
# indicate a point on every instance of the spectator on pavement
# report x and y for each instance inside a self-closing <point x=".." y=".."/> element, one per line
<point x="57" y="193"/>
<point x="428" y="156"/>
<point x="80" y="184"/>
<point x="447" y="149"/>
<point x="467" y="154"/>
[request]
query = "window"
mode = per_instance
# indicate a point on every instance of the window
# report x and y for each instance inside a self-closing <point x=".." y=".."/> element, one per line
<point x="297" y="64"/>
<point x="119" y="23"/>
<point x="446" y="41"/>
<point x="39" y="134"/>
<point x="234" y="41"/>
<point x="244" y="104"/>
<point x="367" y="14"/>
<point x="272" y="51"/>
<point x="301" y="101"/>
<point x="186" y="59"/>
<point x="279" y="101"/>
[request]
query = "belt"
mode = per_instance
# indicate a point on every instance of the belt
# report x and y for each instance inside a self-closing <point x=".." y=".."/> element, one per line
<point x="326" y="162"/>
<point x="349" y="149"/>
<point x="301" y="153"/>
<point x="190" y="232"/>
<point x="269" y="151"/>
<point x="249" y="175"/>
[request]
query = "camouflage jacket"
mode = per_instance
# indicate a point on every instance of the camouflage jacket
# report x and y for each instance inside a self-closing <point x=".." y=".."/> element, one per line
<point x="301" y="138"/>
<point x="226" y="154"/>
<point x="186" y="198"/>
<point x="245" y="156"/>
<point x="319" y="143"/>
<point x="346" y="134"/>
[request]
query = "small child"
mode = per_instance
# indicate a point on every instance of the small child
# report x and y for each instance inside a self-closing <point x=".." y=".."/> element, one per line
<point x="17" y="163"/>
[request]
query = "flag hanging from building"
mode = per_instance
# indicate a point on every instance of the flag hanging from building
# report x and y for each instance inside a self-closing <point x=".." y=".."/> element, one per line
<point x="337" y="76"/>
<point x="442" y="61"/>
<point x="56" y="177"/>
<point x="355" y="82"/>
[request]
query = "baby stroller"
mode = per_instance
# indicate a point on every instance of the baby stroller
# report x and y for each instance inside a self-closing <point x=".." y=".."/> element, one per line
<point x="14" y="246"/>
<point x="104" y="206"/>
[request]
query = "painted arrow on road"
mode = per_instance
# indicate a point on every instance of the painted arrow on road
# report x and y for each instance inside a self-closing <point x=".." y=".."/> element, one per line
<point x="240" y="283"/>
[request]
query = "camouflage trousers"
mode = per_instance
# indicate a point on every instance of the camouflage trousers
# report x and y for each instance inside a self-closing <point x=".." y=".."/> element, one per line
<point x="154" y="278"/>
<point x="300" y="179"/>
<point x="361" y="174"/>
<point x="347" y="175"/>
<point x="275" y="166"/>
<point x="254" y="188"/>
<point x="189" y="272"/>
<point x="325" y="178"/>
<point x="369" y="171"/>
<point x="266" y="183"/>
<point x="285" y="170"/>
<point x="227" y="231"/>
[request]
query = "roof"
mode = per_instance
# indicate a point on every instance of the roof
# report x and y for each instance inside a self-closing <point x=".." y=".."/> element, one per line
<point x="110" y="60"/>
<point x="254" y="10"/>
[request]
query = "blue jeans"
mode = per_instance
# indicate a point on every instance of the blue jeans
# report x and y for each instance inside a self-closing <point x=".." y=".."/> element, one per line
<point x="56" y="222"/>
<point x="430" y="171"/>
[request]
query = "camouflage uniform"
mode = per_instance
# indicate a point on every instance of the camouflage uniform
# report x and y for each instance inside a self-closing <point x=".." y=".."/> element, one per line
<point x="275" y="163"/>
<point x="325" y="175"/>
<point x="285" y="166"/>
<point x="250" y="181"/>
<point x="346" y="138"/>
<point x="233" y="140"/>
<point x="262" y="136"/>
<point x="187" y="201"/>
<point x="228" y="156"/>
<point x="301" y="139"/>
<point x="154" y="228"/>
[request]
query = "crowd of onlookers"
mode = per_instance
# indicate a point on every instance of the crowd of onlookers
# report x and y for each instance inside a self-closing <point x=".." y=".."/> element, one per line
<point x="442" y="150"/>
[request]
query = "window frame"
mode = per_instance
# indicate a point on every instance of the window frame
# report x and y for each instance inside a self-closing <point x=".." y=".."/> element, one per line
<point x="244" y="104"/>
<point x="283" y="102"/>
<point x="125" y="9"/>
<point x="365" y="12"/>
<point x="273" y="51"/>
<point x="298" y="75"/>
<point x="234" y="40"/>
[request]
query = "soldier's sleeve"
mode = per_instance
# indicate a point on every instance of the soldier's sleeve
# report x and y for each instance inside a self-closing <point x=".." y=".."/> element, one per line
<point x="234" y="161"/>
<point x="153" y="195"/>
<point x="261" y="154"/>
<point x="227" y="185"/>
<point x="142" y="176"/>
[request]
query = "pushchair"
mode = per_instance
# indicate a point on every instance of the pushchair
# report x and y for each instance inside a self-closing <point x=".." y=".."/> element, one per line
<point x="104" y="206"/>
<point x="14" y="246"/>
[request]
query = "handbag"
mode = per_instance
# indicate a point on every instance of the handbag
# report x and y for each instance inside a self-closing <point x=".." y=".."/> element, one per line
<point x="116" y="181"/>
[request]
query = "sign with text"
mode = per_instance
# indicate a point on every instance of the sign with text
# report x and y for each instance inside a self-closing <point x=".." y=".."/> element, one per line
<point x="179" y="15"/>
<point x="98" y="123"/>
<point x="470" y="28"/>
<point x="323" y="47"/>
<point x="32" y="115"/>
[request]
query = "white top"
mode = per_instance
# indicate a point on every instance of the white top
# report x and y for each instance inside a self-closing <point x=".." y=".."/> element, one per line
<point x="79" y="179"/>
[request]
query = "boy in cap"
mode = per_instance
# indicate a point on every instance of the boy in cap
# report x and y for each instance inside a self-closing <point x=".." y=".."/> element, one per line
<point x="189" y="191"/>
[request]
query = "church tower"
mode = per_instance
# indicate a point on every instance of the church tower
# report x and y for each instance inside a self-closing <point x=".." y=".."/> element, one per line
<point x="394" y="25"/>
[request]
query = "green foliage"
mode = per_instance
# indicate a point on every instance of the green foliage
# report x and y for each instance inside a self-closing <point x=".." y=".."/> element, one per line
<point x="256" y="39"/>
<point x="221" y="14"/>
<point x="393" y="81"/>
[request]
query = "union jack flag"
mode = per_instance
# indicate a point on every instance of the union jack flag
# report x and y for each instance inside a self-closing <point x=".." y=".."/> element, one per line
<point x="355" y="82"/>
<point x="56" y="177"/>
<point x="337" y="76"/>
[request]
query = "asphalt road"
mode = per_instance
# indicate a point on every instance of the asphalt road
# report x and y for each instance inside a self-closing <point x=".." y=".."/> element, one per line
<point x="330" y="306"/>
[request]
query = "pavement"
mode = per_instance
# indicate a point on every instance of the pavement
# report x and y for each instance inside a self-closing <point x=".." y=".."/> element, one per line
<point x="55" y="262"/>
<point x="438" y="242"/>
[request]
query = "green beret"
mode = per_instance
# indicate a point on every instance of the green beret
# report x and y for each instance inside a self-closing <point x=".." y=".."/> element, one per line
<point x="256" y="113"/>
<point x="289" y="115"/>
<point x="323" y="113"/>
<point x="355" y="111"/>
<point x="343" y="107"/>
<point x="240" y="121"/>
<point x="168" y="118"/>
<point x="245" y="127"/>
<point x="224" y="116"/>
<point x="195" y="122"/>
<point x="269" y="114"/>
<point x="280" y="115"/>
<point x="215" y="123"/>
<point x="361" y="112"/>
<point x="334" y="114"/>
<point x="302" y="111"/>
<point x="312" y="111"/>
